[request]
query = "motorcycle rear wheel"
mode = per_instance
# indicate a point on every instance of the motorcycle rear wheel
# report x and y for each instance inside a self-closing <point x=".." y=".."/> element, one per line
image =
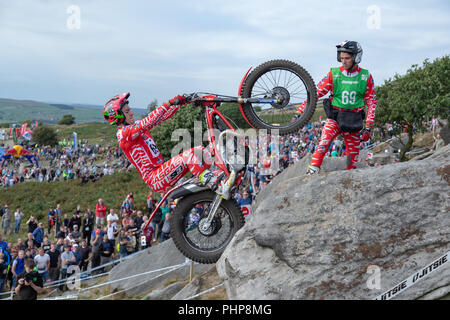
<point x="279" y="78"/>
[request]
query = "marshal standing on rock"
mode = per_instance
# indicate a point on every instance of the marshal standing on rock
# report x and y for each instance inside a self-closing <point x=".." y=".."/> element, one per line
<point x="351" y="88"/>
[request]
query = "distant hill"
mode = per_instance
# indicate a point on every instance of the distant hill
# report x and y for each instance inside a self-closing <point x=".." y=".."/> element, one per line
<point x="99" y="107"/>
<point x="17" y="111"/>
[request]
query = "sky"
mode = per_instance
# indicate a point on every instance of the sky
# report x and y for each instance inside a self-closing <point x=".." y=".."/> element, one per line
<point x="86" y="51"/>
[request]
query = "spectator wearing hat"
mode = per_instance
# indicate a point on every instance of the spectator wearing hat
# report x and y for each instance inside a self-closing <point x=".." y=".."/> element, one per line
<point x="78" y="255"/>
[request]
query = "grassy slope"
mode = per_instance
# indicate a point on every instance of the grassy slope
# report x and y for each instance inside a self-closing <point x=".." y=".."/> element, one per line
<point x="284" y="118"/>
<point x="97" y="132"/>
<point x="34" y="198"/>
<point x="17" y="111"/>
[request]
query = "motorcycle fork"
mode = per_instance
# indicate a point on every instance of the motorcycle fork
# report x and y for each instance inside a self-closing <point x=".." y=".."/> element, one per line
<point x="218" y="200"/>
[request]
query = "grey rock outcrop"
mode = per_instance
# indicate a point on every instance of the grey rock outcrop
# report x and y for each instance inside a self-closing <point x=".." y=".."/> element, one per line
<point x="315" y="237"/>
<point x="157" y="257"/>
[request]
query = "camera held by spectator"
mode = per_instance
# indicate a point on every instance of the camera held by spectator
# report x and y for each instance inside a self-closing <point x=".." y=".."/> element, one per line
<point x="29" y="282"/>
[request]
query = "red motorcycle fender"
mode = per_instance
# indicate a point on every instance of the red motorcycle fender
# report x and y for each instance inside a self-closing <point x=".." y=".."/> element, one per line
<point x="239" y="94"/>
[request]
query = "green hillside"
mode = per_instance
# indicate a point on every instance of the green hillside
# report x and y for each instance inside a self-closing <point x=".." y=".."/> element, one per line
<point x="35" y="198"/>
<point x="96" y="132"/>
<point x="17" y="111"/>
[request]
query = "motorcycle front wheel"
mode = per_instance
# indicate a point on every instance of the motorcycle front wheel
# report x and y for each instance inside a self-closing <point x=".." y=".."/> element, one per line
<point x="204" y="246"/>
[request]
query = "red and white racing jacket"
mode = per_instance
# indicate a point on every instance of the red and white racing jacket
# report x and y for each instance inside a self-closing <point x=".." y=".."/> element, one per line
<point x="137" y="143"/>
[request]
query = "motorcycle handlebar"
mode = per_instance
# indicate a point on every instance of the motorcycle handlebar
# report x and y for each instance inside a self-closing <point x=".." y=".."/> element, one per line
<point x="194" y="97"/>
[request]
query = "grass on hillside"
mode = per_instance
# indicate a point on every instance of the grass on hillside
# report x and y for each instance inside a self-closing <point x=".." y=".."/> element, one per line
<point x="287" y="116"/>
<point x="17" y="111"/>
<point x="35" y="198"/>
<point x="95" y="132"/>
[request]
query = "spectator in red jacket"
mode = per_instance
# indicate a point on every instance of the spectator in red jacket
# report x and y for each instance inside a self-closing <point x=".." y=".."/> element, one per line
<point x="100" y="212"/>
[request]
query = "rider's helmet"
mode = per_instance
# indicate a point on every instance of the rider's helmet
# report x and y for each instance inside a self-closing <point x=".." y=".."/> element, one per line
<point x="352" y="47"/>
<point x="112" y="111"/>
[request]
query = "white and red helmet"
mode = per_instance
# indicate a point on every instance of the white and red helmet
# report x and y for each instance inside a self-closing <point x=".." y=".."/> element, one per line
<point x="112" y="111"/>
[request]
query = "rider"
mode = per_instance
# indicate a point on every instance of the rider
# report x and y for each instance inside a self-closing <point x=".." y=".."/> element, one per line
<point x="351" y="88"/>
<point x="139" y="147"/>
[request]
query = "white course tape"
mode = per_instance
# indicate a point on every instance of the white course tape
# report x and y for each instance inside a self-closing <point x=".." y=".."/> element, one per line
<point x="88" y="272"/>
<point x="160" y="275"/>
<point x="203" y="292"/>
<point x="171" y="268"/>
<point x="413" y="279"/>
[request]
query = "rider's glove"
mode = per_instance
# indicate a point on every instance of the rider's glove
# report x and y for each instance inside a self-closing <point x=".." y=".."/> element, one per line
<point x="178" y="100"/>
<point x="365" y="135"/>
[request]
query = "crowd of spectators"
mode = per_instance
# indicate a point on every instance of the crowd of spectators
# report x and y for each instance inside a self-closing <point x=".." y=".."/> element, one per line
<point x="85" y="238"/>
<point x="87" y="162"/>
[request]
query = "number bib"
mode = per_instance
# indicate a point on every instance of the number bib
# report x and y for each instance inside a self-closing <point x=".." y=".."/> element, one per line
<point x="348" y="92"/>
<point x="152" y="146"/>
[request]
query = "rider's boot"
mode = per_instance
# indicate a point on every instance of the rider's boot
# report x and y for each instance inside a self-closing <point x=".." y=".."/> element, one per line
<point x="313" y="169"/>
<point x="215" y="181"/>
